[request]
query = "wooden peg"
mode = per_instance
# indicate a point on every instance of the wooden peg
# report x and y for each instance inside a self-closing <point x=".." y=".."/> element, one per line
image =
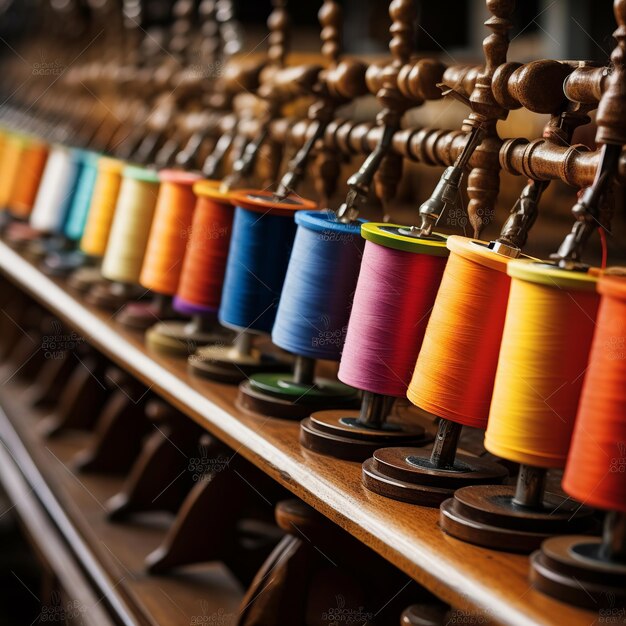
<point x="120" y="428"/>
<point x="160" y="478"/>
<point x="83" y="395"/>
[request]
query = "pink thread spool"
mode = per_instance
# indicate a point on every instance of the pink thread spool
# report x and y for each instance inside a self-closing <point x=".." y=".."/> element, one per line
<point x="395" y="293"/>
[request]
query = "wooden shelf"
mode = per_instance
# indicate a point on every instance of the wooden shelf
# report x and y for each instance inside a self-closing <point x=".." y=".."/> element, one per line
<point x="482" y="583"/>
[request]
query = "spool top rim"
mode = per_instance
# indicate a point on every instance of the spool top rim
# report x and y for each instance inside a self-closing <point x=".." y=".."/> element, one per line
<point x="179" y="177"/>
<point x="383" y="234"/>
<point x="78" y="154"/>
<point x="325" y="220"/>
<point x="140" y="173"/>
<point x="542" y="273"/>
<point x="612" y="285"/>
<point x="91" y="158"/>
<point x="262" y="201"/>
<point x="209" y="188"/>
<point x="109" y="164"/>
<point x="478" y="251"/>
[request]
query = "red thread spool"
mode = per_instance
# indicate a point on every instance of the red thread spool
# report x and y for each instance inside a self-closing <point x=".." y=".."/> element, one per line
<point x="169" y="232"/>
<point x="596" y="466"/>
<point x="202" y="276"/>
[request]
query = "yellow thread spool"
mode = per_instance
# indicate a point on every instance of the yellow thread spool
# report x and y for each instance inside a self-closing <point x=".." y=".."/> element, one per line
<point x="545" y="346"/>
<point x="163" y="261"/>
<point x="10" y="166"/>
<point x="102" y="207"/>
<point x="131" y="225"/>
<point x="26" y="182"/>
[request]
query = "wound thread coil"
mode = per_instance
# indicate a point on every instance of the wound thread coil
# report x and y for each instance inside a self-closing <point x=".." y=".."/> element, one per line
<point x="204" y="266"/>
<point x="316" y="298"/>
<point x="81" y="199"/>
<point x="32" y="162"/>
<point x="545" y="346"/>
<point x="10" y="159"/>
<point x="102" y="207"/>
<point x="596" y="464"/>
<point x="131" y="225"/>
<point x="456" y="365"/>
<point x="261" y="242"/>
<point x="173" y="213"/>
<point x="397" y="285"/>
<point x="56" y="190"/>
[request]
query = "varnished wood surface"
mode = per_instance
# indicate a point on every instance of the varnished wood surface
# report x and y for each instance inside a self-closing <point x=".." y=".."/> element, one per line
<point x="481" y="583"/>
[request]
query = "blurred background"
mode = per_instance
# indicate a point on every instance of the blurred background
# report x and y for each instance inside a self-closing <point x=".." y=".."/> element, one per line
<point x="449" y="29"/>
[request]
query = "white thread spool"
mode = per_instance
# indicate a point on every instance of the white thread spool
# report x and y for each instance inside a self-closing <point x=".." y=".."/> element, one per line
<point x="55" y="190"/>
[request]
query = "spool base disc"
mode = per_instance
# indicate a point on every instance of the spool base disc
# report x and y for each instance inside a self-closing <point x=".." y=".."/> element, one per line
<point x="339" y="434"/>
<point x="276" y="395"/>
<point x="107" y="295"/>
<point x="20" y="234"/>
<point x="406" y="474"/>
<point x="177" y="339"/>
<point x="486" y="516"/>
<point x="85" y="278"/>
<point x="63" y="263"/>
<point x="571" y="569"/>
<point x="224" y="364"/>
<point x="141" y="315"/>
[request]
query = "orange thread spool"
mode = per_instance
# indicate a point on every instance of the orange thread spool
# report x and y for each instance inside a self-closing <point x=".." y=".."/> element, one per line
<point x="26" y="184"/>
<point x="10" y="166"/>
<point x="169" y="232"/>
<point x="456" y="366"/>
<point x="202" y="275"/>
<point x="596" y="466"/>
<point x="102" y="208"/>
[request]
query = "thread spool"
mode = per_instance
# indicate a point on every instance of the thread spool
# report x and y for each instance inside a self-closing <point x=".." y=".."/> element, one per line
<point x="202" y="275"/>
<point x="454" y="371"/>
<point x="55" y="193"/>
<point x="311" y="318"/>
<point x="98" y="219"/>
<point x="316" y="299"/>
<point x="169" y="232"/>
<point x="164" y="261"/>
<point x="81" y="200"/>
<point x="398" y="280"/>
<point x="452" y="379"/>
<point x="32" y="162"/>
<point x="63" y="262"/>
<point x="545" y="345"/>
<point x="261" y="242"/>
<point x="10" y="158"/>
<point x="102" y="207"/>
<point x="130" y="229"/>
<point x="128" y="237"/>
<point x="595" y="471"/>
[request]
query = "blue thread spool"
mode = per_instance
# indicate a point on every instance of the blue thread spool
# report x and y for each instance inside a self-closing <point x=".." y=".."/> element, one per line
<point x="311" y="320"/>
<point x="315" y="303"/>
<point x="259" y="252"/>
<point x="260" y="246"/>
<point x="81" y="200"/>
